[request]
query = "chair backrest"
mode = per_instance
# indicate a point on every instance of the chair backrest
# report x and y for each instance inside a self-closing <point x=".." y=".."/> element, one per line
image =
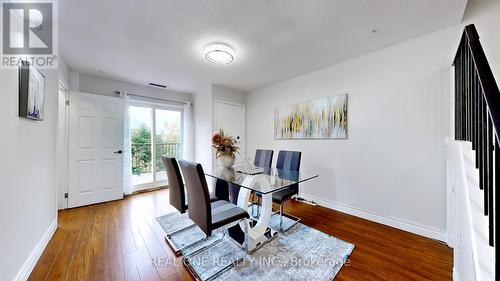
<point x="200" y="210"/>
<point x="289" y="161"/>
<point x="263" y="158"/>
<point x="175" y="184"/>
<point x="221" y="190"/>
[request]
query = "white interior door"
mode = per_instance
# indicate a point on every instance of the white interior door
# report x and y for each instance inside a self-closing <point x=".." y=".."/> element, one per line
<point x="95" y="149"/>
<point x="231" y="118"/>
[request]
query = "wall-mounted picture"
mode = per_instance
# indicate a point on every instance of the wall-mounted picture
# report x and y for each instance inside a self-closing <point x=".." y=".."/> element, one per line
<point x="31" y="92"/>
<point x="324" y="118"/>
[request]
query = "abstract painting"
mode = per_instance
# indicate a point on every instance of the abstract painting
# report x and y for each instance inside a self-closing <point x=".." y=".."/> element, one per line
<point x="324" y="118"/>
<point x="31" y="92"/>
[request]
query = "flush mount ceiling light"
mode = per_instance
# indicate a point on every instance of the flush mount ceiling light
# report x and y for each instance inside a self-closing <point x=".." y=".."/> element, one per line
<point x="219" y="53"/>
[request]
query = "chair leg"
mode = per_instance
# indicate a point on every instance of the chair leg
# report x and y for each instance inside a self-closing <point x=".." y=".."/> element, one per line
<point x="229" y="266"/>
<point x="244" y="247"/>
<point x="225" y="232"/>
<point x="245" y="233"/>
<point x="204" y="247"/>
<point x="260" y="204"/>
<point x="253" y="210"/>
<point x="281" y="215"/>
<point x="282" y="212"/>
<point x="170" y="241"/>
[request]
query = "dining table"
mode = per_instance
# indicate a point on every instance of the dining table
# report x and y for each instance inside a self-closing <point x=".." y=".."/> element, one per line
<point x="264" y="182"/>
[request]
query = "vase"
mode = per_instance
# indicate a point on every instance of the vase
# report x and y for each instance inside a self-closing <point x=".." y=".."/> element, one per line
<point x="228" y="174"/>
<point x="227" y="160"/>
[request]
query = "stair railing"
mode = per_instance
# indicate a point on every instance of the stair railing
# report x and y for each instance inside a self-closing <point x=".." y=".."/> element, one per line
<point x="477" y="119"/>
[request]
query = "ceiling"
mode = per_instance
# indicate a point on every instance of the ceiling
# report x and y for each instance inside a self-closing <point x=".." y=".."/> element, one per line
<point x="163" y="41"/>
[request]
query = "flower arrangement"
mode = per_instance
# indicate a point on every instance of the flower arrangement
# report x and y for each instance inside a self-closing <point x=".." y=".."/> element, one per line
<point x="224" y="144"/>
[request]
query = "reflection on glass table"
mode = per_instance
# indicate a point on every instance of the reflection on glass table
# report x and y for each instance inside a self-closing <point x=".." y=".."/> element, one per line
<point x="266" y="183"/>
<point x="270" y="180"/>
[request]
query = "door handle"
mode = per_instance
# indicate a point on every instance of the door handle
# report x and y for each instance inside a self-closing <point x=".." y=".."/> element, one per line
<point x="118" y="152"/>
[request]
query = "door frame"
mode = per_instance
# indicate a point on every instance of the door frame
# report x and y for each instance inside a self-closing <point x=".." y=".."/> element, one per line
<point x="154" y="106"/>
<point x="62" y="148"/>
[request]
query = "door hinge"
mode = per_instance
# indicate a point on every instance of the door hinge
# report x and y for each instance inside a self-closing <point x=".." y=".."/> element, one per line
<point x="66" y="195"/>
<point x="67" y="102"/>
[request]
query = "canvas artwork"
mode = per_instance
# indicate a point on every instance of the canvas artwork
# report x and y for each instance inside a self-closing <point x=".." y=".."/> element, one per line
<point x="324" y="118"/>
<point x="36" y="94"/>
<point x="31" y="92"/>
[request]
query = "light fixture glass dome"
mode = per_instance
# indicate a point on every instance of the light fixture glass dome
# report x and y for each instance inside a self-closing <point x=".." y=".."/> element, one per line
<point x="219" y="53"/>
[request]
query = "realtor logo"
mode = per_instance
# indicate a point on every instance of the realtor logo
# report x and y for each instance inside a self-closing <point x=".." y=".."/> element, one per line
<point x="29" y="33"/>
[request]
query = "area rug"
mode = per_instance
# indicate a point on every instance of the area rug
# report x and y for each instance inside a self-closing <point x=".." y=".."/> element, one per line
<point x="174" y="221"/>
<point x="184" y="233"/>
<point x="274" y="223"/>
<point x="301" y="253"/>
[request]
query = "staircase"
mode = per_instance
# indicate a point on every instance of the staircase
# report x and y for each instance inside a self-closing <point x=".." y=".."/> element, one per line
<point x="477" y="158"/>
<point x="485" y="253"/>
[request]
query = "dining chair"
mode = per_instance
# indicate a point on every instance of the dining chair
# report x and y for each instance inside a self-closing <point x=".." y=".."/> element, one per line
<point x="287" y="161"/>
<point x="263" y="158"/>
<point x="177" y="195"/>
<point x="176" y="188"/>
<point x="209" y="216"/>
<point x="221" y="190"/>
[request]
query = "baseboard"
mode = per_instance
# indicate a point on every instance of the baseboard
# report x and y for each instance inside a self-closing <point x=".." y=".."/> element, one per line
<point x="379" y="218"/>
<point x="30" y="263"/>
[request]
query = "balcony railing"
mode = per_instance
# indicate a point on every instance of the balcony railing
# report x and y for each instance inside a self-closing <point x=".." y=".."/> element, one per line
<point x="142" y="156"/>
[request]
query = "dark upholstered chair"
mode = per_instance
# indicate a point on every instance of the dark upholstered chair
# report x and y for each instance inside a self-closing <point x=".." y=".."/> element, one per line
<point x="263" y="158"/>
<point x="176" y="189"/>
<point x="221" y="190"/>
<point x="177" y="195"/>
<point x="287" y="161"/>
<point x="209" y="216"/>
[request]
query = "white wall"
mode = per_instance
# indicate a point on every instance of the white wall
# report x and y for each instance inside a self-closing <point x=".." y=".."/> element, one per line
<point x="464" y="258"/>
<point x="203" y="109"/>
<point x="105" y="86"/>
<point x="473" y="257"/>
<point x="226" y="94"/>
<point x="391" y="169"/>
<point x="27" y="172"/>
<point x="64" y="72"/>
<point x="204" y="102"/>
<point x="485" y="14"/>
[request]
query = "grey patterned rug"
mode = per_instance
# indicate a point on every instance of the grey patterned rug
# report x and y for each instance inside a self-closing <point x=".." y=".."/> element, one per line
<point x="301" y="253"/>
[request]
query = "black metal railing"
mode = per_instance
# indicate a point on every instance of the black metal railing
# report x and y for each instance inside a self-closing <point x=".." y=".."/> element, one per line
<point x="142" y="156"/>
<point x="477" y="119"/>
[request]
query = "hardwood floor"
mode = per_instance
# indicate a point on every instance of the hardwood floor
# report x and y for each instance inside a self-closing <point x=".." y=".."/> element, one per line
<point x="117" y="240"/>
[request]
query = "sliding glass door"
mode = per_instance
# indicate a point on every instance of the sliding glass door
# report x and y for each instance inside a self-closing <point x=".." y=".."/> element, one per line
<point x="155" y="130"/>
<point x="168" y="139"/>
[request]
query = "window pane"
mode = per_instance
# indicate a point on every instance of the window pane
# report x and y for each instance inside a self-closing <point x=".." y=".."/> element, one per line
<point x="140" y="133"/>
<point x="168" y="139"/>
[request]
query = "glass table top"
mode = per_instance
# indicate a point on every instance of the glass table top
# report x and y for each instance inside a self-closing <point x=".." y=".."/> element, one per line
<point x="268" y="181"/>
